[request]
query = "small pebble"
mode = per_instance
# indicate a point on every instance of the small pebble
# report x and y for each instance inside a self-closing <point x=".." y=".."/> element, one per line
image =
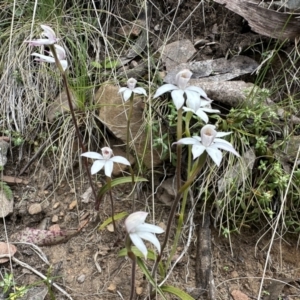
<point x="81" y="278"/>
<point x="73" y="204"/>
<point x="112" y="288"/>
<point x="56" y="205"/>
<point x="54" y="219"/>
<point x="34" y="208"/>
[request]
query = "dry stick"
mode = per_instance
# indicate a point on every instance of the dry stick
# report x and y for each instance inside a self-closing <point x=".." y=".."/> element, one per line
<point x="52" y="48"/>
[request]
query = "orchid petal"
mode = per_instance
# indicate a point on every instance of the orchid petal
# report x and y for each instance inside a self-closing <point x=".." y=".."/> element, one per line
<point x="40" y="42"/>
<point x="127" y="94"/>
<point x="151" y="238"/>
<point x="64" y="64"/>
<point x="164" y="88"/>
<point x="134" y="220"/>
<point x="49" y="33"/>
<point x="193" y="99"/>
<point x="187" y="109"/>
<point x="140" y="90"/>
<point x="108" y="168"/>
<point x="182" y="78"/>
<point x="43" y="58"/>
<point x="60" y="51"/>
<point x="149" y="228"/>
<point x="131" y="83"/>
<point x="187" y="141"/>
<point x="217" y="140"/>
<point x="120" y="160"/>
<point x="226" y="147"/>
<point x="197" y="90"/>
<point x="210" y="110"/>
<point x="122" y="89"/>
<point x="138" y="242"/>
<point x="221" y="134"/>
<point x="197" y="150"/>
<point x="93" y="155"/>
<point x="97" y="166"/>
<point x="202" y="115"/>
<point x="178" y="99"/>
<point x="215" y="154"/>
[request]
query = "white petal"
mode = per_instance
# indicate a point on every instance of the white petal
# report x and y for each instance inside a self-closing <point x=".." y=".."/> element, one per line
<point x="164" y="88"/>
<point x="178" y="99"/>
<point x="140" y="90"/>
<point x="122" y="89"/>
<point x="197" y="150"/>
<point x="187" y="109"/>
<point x="215" y="154"/>
<point x="221" y="134"/>
<point x="97" y="166"/>
<point x="193" y="99"/>
<point x="210" y="110"/>
<point x="43" y="58"/>
<point x="197" y="90"/>
<point x="60" y="51"/>
<point x="149" y="228"/>
<point x="137" y="241"/>
<point x="226" y="147"/>
<point x="151" y="238"/>
<point x="40" y="42"/>
<point x="202" y="115"/>
<point x="182" y="78"/>
<point x="91" y="154"/>
<point x="120" y="160"/>
<point x="108" y="168"/>
<point x="127" y="94"/>
<point x="134" y="220"/>
<point x="187" y="141"/>
<point x="49" y="32"/>
<point x="64" y="64"/>
<point x="217" y="140"/>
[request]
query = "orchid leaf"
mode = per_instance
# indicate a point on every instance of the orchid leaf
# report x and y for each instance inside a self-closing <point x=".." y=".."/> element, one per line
<point x="117" y="217"/>
<point x="176" y="291"/>
<point x="149" y="277"/>
<point x="118" y="181"/>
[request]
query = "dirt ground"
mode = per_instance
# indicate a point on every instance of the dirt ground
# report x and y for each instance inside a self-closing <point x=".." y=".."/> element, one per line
<point x="238" y="262"/>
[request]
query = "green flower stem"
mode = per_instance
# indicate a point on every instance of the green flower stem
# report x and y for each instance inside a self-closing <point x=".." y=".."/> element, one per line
<point x="63" y="74"/>
<point x="194" y="173"/>
<point x="128" y="124"/>
<point x="185" y="195"/>
<point x="108" y="181"/>
<point x="131" y="255"/>
<point x="128" y="148"/>
<point x="179" y="136"/>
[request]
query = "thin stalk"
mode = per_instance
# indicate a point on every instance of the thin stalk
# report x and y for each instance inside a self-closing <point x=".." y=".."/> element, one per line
<point x="179" y="136"/>
<point x="185" y="195"/>
<point x="131" y="255"/>
<point x="195" y="171"/>
<point x="128" y="148"/>
<point x="52" y="48"/>
<point x="108" y="181"/>
<point x="128" y="124"/>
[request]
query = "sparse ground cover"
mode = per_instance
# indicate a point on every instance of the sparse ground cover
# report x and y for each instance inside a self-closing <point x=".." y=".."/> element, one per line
<point x="238" y="222"/>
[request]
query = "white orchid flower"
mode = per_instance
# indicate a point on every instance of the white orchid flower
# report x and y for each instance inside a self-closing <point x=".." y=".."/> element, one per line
<point x="127" y="91"/>
<point x="49" y="33"/>
<point x="210" y="142"/>
<point x="193" y="93"/>
<point x="200" y="108"/>
<point x="61" y="55"/>
<point x="106" y="161"/>
<point x="137" y="230"/>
